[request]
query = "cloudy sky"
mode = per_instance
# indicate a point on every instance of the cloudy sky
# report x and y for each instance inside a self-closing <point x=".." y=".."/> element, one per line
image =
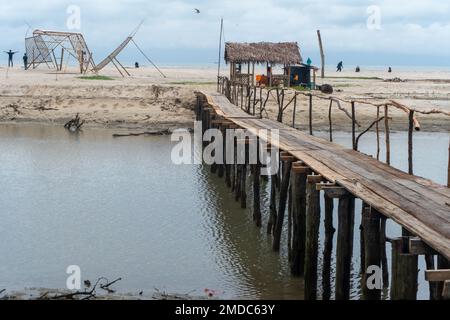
<point x="383" y="32"/>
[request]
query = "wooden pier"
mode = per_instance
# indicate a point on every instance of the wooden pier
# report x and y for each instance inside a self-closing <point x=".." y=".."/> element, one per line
<point x="312" y="166"/>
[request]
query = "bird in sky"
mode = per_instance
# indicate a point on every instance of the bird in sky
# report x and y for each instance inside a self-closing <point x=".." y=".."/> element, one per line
<point x="197" y="11"/>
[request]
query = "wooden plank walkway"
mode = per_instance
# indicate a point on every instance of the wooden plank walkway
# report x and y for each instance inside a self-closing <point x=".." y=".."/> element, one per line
<point x="420" y="205"/>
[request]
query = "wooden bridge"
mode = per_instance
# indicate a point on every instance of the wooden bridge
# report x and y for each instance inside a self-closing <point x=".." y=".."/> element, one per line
<point x="311" y="165"/>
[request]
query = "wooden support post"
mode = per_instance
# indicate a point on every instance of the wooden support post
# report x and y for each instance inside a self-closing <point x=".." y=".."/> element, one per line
<point x="387" y="134"/>
<point x="371" y="223"/>
<point x="328" y="247"/>
<point x="362" y="248"/>
<point x="404" y="272"/>
<point x="442" y="263"/>
<point x="295" y="110"/>
<point x="377" y="126"/>
<point x="330" y="119"/>
<point x="383" y="255"/>
<point x="410" y="142"/>
<point x="448" y="169"/>
<point x="344" y="250"/>
<point x="257" y="191"/>
<point x="355" y="147"/>
<point x="287" y="165"/>
<point x="311" y="114"/>
<point x="298" y="183"/>
<point x="312" y="236"/>
<point x="273" y="204"/>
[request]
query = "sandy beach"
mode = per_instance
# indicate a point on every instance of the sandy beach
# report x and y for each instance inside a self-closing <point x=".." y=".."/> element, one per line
<point x="147" y="101"/>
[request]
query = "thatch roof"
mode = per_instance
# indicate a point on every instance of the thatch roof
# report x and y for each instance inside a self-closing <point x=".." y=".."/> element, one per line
<point x="262" y="52"/>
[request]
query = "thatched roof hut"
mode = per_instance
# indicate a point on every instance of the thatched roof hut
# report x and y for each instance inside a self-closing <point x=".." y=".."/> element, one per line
<point x="286" y="53"/>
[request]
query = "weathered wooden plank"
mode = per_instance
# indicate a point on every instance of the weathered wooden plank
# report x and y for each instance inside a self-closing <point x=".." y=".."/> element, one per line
<point x="418" y="204"/>
<point x="437" y="275"/>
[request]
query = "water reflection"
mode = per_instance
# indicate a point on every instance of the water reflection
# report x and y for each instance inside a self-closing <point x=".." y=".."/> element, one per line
<point x="120" y="208"/>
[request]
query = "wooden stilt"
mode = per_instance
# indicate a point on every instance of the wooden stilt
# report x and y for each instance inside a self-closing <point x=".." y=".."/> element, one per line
<point x="312" y="236"/>
<point x="442" y="263"/>
<point x="328" y="248"/>
<point x="257" y="194"/>
<point x="371" y="223"/>
<point x="287" y="161"/>
<point x="273" y="204"/>
<point x="404" y="272"/>
<point x="377" y="126"/>
<point x="344" y="250"/>
<point x="384" y="263"/>
<point x="299" y="175"/>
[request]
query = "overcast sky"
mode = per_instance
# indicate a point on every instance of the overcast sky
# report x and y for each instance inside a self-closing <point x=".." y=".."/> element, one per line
<point x="400" y="32"/>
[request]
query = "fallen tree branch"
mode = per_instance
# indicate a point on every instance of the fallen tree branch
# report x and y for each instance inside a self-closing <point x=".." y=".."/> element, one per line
<point x="147" y="133"/>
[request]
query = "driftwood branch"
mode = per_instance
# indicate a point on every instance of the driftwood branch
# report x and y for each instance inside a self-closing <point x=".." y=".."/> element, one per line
<point x="74" y="124"/>
<point x="83" y="295"/>
<point x="367" y="130"/>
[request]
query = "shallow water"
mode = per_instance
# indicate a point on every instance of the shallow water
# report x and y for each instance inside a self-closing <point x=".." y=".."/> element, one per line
<point x="120" y="208"/>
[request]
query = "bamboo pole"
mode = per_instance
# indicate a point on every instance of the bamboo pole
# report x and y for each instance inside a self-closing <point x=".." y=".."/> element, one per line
<point x="322" y="55"/>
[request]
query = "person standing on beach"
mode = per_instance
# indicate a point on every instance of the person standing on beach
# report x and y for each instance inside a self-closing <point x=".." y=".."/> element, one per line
<point x="25" y="61"/>
<point x="340" y="66"/>
<point x="10" y="54"/>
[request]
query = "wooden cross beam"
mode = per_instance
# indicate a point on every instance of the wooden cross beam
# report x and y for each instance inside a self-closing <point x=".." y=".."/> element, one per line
<point x="437" y="275"/>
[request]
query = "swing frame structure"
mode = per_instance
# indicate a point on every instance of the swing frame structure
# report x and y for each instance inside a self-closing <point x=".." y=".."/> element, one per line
<point x="45" y="46"/>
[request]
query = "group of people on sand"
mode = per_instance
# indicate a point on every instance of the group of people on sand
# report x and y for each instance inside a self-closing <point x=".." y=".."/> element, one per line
<point x="340" y="67"/>
<point x="11" y="54"/>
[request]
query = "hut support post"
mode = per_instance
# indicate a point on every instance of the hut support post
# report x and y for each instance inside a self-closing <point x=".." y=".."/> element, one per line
<point x="404" y="272"/>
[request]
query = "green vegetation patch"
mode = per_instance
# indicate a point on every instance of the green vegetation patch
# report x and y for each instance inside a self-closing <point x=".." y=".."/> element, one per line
<point x="96" y="78"/>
